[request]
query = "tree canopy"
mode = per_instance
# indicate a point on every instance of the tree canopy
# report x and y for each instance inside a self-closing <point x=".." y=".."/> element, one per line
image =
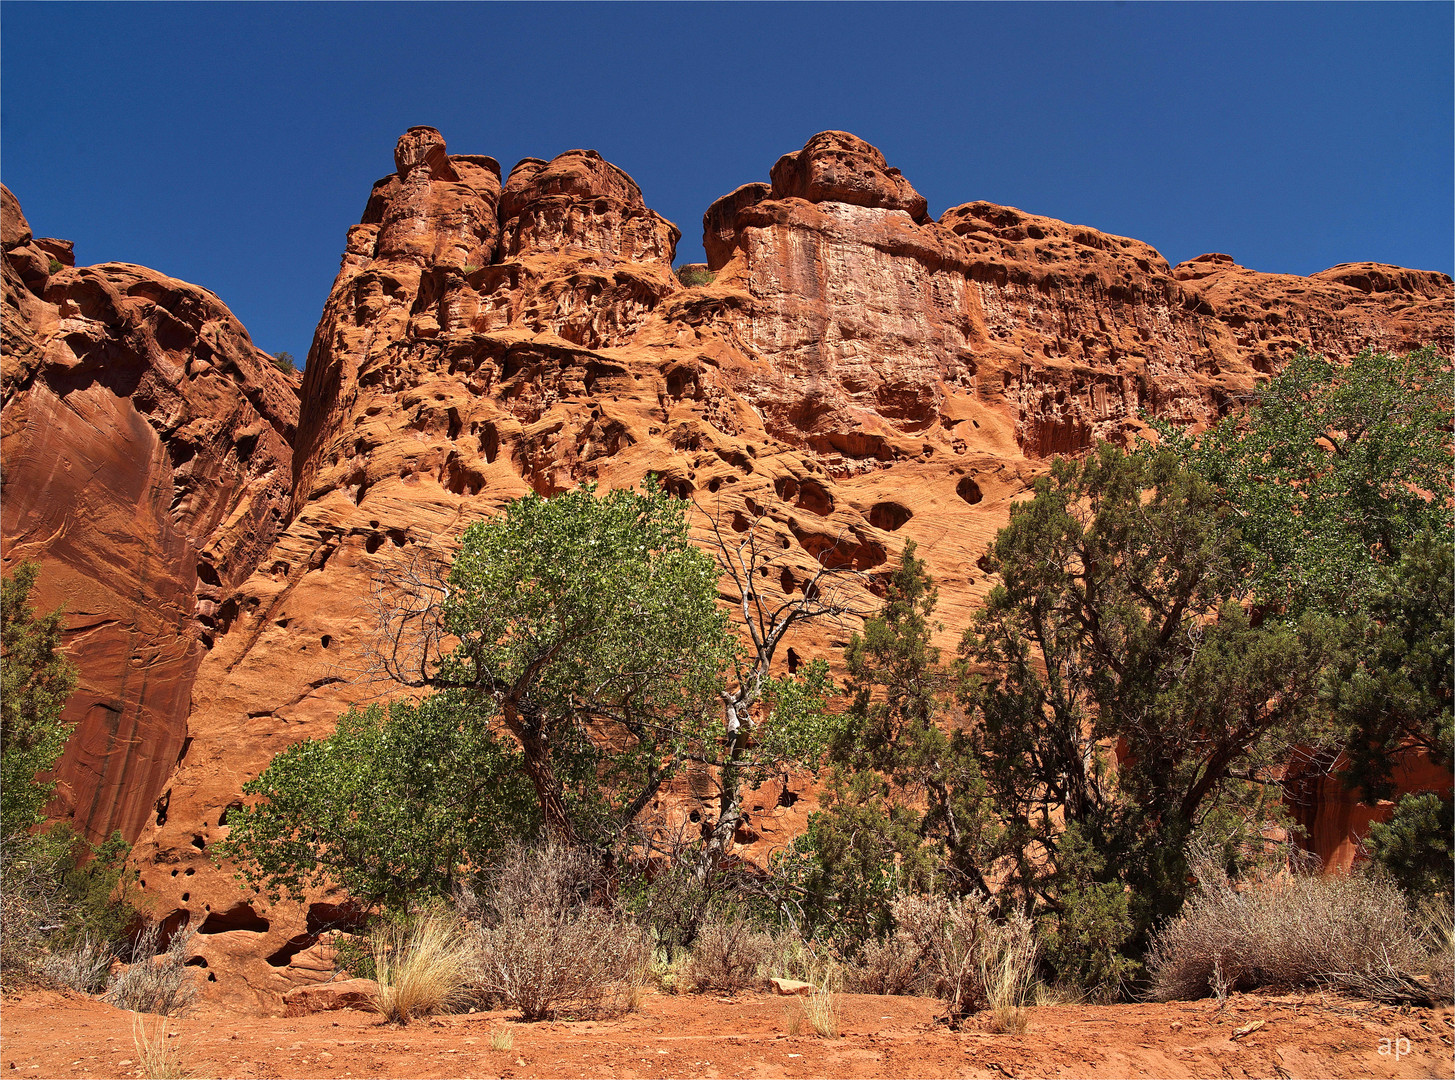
<point x="1331" y="472"/>
<point x="401" y="802"/>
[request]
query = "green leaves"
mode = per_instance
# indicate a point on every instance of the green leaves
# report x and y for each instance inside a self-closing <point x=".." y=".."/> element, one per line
<point x="1332" y="472"/>
<point x="35" y="681"/>
<point x="1119" y="689"/>
<point x="397" y="804"/>
<point x="589" y="628"/>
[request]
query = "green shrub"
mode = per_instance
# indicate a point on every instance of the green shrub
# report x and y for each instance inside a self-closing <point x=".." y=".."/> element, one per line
<point x="35" y="681"/>
<point x="692" y="275"/>
<point x="1414" y="846"/>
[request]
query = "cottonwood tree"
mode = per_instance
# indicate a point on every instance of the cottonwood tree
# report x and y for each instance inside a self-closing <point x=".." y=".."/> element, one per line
<point x="399" y="803"/>
<point x="587" y="628"/>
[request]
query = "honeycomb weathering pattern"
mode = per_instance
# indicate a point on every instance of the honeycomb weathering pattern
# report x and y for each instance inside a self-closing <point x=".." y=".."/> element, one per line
<point x="865" y="373"/>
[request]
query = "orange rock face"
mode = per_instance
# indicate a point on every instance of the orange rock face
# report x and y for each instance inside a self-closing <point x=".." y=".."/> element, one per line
<point x="147" y="457"/>
<point x="861" y="373"/>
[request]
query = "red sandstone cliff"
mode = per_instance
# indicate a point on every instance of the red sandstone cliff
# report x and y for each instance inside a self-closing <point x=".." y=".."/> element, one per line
<point x="146" y="457"/>
<point x="864" y="372"/>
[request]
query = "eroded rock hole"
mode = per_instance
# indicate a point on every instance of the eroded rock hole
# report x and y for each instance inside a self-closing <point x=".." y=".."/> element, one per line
<point x="240" y="916"/>
<point x="888" y="516"/>
<point x="969" y="490"/>
<point x="291" y="948"/>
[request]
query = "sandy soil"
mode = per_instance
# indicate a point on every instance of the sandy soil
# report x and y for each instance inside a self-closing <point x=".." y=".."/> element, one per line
<point x="53" y="1035"/>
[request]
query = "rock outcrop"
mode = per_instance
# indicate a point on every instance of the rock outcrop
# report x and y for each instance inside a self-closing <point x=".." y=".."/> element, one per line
<point x="855" y="373"/>
<point x="147" y="464"/>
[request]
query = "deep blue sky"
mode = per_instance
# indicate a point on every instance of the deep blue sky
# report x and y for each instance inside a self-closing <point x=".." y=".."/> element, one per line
<point x="233" y="145"/>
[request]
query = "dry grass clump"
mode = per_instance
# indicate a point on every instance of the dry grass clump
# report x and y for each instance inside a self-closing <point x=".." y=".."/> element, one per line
<point x="157" y="1050"/>
<point x="422" y="968"/>
<point x="1438" y="924"/>
<point x="729" y="954"/>
<point x="157" y="980"/>
<point x="548" y="948"/>
<point x="502" y="1039"/>
<point x="821" y="1011"/>
<point x="1353" y="933"/>
<point x="85" y="966"/>
<point x="1007" y="969"/>
<point x="955" y="950"/>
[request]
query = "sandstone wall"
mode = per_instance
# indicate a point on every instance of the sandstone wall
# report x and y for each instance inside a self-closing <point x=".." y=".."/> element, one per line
<point x="146" y="464"/>
<point x="858" y="372"/>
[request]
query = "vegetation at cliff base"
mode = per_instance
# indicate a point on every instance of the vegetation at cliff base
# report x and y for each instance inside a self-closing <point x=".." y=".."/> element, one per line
<point x="1086" y="794"/>
<point x="61" y="897"/>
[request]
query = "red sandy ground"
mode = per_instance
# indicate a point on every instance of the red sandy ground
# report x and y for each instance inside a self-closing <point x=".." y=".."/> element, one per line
<point x="53" y="1035"/>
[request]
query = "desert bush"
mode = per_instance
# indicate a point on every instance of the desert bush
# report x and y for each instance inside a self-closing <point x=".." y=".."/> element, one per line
<point x="729" y="954"/>
<point x="422" y="966"/>
<point x="1351" y="932"/>
<point x="547" y="943"/>
<point x="954" y="949"/>
<point x="85" y="966"/>
<point x="156" y="980"/>
<point x="893" y="965"/>
<point x="29" y="900"/>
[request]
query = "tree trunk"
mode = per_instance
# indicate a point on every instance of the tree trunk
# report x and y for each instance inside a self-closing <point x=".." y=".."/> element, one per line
<point x="537" y="759"/>
<point x="729" y="807"/>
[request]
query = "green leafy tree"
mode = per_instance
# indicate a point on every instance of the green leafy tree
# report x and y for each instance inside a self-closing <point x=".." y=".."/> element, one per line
<point x="1119" y="690"/>
<point x="904" y="808"/>
<point x="1339" y="477"/>
<point x="397" y="804"/>
<point x="587" y="628"/>
<point x="35" y="681"/>
<point x="1331" y="472"/>
<point x="285" y="363"/>
<point x="1390" y="683"/>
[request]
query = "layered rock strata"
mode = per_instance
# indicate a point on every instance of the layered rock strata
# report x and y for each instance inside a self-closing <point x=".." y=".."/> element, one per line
<point x="854" y="374"/>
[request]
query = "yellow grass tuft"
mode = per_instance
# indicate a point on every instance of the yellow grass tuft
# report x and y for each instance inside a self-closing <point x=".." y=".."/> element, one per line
<point x="157" y="1051"/>
<point x="422" y="969"/>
